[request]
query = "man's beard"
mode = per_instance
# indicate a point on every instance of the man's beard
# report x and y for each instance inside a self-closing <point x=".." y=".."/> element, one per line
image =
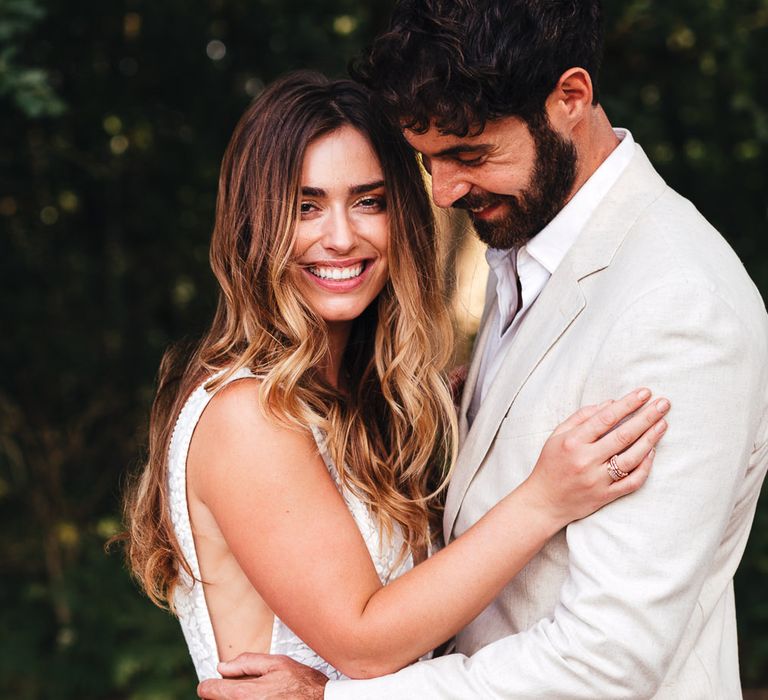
<point x="526" y="214"/>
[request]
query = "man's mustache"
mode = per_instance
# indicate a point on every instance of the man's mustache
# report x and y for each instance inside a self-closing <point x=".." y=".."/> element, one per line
<point x="478" y="201"/>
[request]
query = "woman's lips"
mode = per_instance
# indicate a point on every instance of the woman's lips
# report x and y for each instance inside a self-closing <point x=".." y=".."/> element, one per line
<point x="328" y="275"/>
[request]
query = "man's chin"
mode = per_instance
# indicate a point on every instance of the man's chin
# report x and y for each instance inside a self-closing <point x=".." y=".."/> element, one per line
<point x="499" y="234"/>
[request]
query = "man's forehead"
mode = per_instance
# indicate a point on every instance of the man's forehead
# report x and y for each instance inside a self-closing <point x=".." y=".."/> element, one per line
<point x="439" y="142"/>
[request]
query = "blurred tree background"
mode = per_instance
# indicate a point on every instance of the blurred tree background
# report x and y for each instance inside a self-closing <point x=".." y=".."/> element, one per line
<point x="113" y="120"/>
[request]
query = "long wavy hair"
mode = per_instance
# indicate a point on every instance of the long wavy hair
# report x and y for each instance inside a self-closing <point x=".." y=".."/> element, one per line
<point x="393" y="433"/>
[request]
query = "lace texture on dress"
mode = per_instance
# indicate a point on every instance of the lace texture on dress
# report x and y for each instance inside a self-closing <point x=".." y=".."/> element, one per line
<point x="189" y="597"/>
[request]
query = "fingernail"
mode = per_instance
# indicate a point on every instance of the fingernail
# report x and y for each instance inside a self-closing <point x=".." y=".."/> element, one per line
<point x="652" y="453"/>
<point x="662" y="405"/>
<point x="661" y="426"/>
<point x="643" y="394"/>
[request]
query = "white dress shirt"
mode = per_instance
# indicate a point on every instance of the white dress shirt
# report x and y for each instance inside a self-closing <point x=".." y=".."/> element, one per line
<point x="535" y="262"/>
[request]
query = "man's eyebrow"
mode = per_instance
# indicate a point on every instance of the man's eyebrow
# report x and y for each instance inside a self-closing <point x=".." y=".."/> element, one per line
<point x="356" y="189"/>
<point x="463" y="148"/>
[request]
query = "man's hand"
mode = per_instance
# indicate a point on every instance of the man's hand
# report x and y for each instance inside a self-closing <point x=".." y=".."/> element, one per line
<point x="251" y="676"/>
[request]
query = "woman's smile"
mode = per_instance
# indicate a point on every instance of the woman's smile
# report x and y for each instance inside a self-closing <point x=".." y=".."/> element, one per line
<point x="339" y="276"/>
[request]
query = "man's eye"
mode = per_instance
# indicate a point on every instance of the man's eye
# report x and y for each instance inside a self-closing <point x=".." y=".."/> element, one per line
<point x="469" y="162"/>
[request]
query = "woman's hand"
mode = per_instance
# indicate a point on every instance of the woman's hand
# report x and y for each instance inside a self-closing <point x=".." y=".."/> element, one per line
<point x="571" y="478"/>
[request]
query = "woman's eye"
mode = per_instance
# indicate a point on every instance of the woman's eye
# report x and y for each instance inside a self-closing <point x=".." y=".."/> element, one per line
<point x="306" y="207"/>
<point x="372" y="202"/>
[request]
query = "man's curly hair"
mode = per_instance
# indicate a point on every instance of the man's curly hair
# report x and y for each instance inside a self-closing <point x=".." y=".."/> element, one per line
<point x="459" y="63"/>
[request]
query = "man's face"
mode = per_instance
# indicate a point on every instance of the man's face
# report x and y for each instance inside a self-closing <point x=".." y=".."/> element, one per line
<point x="512" y="178"/>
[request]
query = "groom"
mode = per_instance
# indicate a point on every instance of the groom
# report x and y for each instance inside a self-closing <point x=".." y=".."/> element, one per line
<point x="603" y="278"/>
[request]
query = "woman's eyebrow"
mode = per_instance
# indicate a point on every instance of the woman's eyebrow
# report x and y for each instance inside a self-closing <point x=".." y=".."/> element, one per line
<point x="307" y="191"/>
<point x="362" y="189"/>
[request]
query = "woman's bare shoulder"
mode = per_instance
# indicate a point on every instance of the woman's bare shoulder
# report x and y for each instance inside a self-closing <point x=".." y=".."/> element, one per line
<point x="235" y="437"/>
<point x="233" y="404"/>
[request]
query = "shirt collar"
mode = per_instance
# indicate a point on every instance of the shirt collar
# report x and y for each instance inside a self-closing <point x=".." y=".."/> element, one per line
<point x="499" y="257"/>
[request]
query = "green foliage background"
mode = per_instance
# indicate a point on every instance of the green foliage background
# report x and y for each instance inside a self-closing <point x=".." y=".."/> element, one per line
<point x="113" y="119"/>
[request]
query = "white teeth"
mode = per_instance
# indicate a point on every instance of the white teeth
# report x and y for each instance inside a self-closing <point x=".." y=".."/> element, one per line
<point x="337" y="273"/>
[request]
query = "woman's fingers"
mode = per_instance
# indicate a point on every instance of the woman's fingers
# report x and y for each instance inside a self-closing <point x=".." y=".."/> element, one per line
<point x="633" y="456"/>
<point x="635" y="480"/>
<point x="573" y="467"/>
<point x="639" y="428"/>
<point x="610" y="416"/>
<point x="582" y="415"/>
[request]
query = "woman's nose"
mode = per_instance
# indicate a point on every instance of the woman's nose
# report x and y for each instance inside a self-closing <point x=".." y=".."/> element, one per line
<point x="339" y="232"/>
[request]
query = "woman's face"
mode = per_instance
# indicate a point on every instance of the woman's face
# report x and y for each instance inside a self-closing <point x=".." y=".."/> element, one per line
<point x="343" y="232"/>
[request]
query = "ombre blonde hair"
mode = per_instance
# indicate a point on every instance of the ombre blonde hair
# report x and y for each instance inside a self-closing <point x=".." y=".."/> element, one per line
<point x="393" y="434"/>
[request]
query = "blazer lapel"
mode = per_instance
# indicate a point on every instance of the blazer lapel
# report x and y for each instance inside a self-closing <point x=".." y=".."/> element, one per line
<point x="559" y="303"/>
<point x="483" y="332"/>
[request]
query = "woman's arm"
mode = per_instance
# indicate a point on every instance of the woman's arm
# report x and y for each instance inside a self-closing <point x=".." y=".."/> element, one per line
<point x="290" y="530"/>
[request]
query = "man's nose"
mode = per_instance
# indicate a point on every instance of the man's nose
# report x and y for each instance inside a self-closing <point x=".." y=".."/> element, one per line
<point x="447" y="185"/>
<point x="339" y="232"/>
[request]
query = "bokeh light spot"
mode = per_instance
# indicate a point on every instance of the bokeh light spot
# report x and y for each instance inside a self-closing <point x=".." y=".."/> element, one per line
<point x="708" y="64"/>
<point x="747" y="150"/>
<point x="650" y="95"/>
<point x="132" y="25"/>
<point x="184" y="291"/>
<point x="107" y="527"/>
<point x="681" y="39"/>
<point x="119" y="144"/>
<point x="344" y="24"/>
<point x="113" y="125"/>
<point x="8" y="206"/>
<point x="216" y="49"/>
<point x="253" y="87"/>
<point x="142" y="137"/>
<point x="67" y="533"/>
<point x="695" y="150"/>
<point x="663" y="152"/>
<point x="49" y="215"/>
<point x="69" y="201"/>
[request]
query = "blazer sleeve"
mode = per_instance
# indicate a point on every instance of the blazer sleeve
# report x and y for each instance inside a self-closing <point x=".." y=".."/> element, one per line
<point x="637" y="566"/>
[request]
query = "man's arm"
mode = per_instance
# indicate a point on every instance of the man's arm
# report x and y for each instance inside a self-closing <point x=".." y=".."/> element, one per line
<point x="637" y="566"/>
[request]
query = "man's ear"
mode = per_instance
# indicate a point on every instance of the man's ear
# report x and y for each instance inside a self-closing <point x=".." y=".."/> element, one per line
<point x="571" y="99"/>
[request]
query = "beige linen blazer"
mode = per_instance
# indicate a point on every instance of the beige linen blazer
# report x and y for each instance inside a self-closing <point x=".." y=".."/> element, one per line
<point x="635" y="601"/>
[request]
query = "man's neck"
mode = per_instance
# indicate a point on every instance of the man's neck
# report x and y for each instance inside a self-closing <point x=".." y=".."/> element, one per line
<point x="594" y="140"/>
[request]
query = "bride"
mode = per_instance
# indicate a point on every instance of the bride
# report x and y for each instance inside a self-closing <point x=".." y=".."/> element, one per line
<point x="296" y="459"/>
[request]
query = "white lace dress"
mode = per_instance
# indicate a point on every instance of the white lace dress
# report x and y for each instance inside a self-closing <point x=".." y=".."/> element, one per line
<point x="189" y="597"/>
